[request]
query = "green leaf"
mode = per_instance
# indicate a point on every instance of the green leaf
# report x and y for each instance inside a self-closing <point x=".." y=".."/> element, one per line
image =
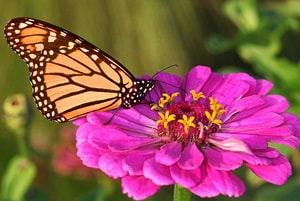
<point x="17" y="179"/>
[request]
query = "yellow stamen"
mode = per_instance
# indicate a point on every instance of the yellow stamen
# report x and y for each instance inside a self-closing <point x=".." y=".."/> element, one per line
<point x="187" y="122"/>
<point x="166" y="98"/>
<point x="216" y="111"/>
<point x="165" y="118"/>
<point x="215" y="106"/>
<point x="155" y="107"/>
<point x="218" y="122"/>
<point x="173" y="96"/>
<point x="197" y="96"/>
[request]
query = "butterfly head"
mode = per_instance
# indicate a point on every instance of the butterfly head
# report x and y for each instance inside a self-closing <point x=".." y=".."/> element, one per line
<point x="138" y="92"/>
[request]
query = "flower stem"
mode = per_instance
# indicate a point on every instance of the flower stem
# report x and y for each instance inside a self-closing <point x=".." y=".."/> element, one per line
<point x="182" y="194"/>
<point x="23" y="145"/>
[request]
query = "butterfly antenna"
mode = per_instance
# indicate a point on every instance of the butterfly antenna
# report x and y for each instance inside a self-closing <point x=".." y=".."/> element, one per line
<point x="164" y="69"/>
<point x="172" y="85"/>
<point x="167" y="83"/>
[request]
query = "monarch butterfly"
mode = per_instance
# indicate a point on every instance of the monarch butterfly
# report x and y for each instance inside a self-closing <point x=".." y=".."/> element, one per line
<point x="69" y="76"/>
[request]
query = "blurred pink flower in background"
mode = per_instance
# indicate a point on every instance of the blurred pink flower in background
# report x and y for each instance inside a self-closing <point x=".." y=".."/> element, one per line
<point x="65" y="162"/>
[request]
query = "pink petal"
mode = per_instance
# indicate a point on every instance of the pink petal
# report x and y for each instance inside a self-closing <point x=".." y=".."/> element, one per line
<point x="276" y="103"/>
<point x="185" y="178"/>
<point x="85" y="151"/>
<point x="83" y="132"/>
<point x="138" y="187"/>
<point x="134" y="162"/>
<point x="236" y="87"/>
<point x="252" y="141"/>
<point x="292" y="119"/>
<point x="195" y="79"/>
<point x="275" y="173"/>
<point x="243" y="77"/>
<point x="79" y="121"/>
<point x="222" y="160"/>
<point x="262" y="87"/>
<point x="130" y="119"/>
<point x="291" y="141"/>
<point x="206" y="188"/>
<point x="254" y="122"/>
<point x="269" y="153"/>
<point x="158" y="173"/>
<point x="213" y="81"/>
<point x="231" y="144"/>
<point x="88" y="155"/>
<point x="117" y="140"/>
<point x="272" y="133"/>
<point x="242" y="108"/>
<point x="191" y="157"/>
<point x="111" y="164"/>
<point x="226" y="182"/>
<point x="168" y="153"/>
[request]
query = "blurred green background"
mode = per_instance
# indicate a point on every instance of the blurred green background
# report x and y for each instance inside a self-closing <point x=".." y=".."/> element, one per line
<point x="261" y="38"/>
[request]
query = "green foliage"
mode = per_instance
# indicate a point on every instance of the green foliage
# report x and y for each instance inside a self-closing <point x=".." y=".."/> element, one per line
<point x="288" y="192"/>
<point x="259" y="40"/>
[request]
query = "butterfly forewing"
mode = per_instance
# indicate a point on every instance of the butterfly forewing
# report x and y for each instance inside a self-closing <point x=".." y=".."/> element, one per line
<point x="69" y="76"/>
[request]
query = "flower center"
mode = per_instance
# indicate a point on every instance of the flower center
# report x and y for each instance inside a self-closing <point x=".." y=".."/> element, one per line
<point x="185" y="121"/>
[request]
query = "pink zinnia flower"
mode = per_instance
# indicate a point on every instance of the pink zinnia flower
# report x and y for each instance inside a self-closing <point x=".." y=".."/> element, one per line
<point x="199" y="129"/>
